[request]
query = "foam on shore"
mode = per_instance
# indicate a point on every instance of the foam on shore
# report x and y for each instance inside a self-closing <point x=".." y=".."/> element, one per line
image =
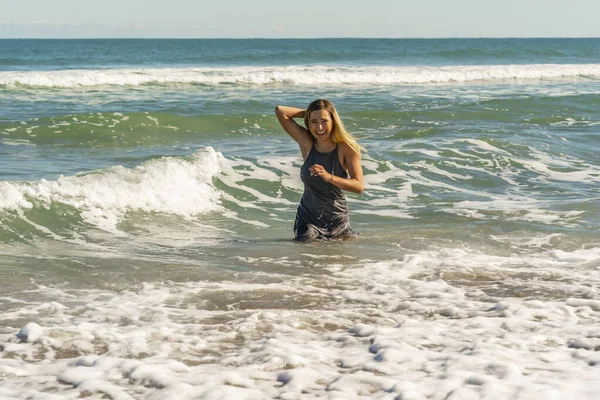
<point x="414" y="328"/>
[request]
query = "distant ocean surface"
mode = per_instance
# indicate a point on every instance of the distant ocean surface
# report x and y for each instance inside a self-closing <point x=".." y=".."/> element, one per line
<point x="148" y="195"/>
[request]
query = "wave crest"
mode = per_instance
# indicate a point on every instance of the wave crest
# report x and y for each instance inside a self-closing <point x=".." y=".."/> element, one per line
<point x="166" y="185"/>
<point x="297" y="75"/>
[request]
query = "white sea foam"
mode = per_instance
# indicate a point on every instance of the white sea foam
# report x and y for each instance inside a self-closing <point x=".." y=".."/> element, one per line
<point x="299" y="75"/>
<point x="574" y="122"/>
<point x="30" y="333"/>
<point x="508" y="208"/>
<point x="527" y="241"/>
<point x="16" y="142"/>
<point x="165" y="185"/>
<point x="233" y="174"/>
<point x="591" y="174"/>
<point x="414" y="327"/>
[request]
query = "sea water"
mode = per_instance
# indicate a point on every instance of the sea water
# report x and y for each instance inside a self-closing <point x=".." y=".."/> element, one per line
<point x="148" y="194"/>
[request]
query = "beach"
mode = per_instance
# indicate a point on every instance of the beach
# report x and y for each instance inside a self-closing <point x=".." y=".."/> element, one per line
<point x="148" y="196"/>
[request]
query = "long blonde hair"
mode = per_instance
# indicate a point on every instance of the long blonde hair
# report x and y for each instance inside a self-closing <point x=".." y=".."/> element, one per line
<point x="340" y="135"/>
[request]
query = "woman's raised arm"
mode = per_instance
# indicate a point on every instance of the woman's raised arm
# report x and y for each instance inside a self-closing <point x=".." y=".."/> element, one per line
<point x="285" y="116"/>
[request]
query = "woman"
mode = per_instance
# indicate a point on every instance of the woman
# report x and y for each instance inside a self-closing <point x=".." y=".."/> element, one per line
<point x="331" y="164"/>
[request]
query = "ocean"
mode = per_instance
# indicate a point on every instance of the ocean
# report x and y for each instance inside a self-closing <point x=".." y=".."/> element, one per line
<point x="147" y="202"/>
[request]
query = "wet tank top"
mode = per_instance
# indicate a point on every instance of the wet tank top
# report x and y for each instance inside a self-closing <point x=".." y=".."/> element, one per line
<point x="323" y="209"/>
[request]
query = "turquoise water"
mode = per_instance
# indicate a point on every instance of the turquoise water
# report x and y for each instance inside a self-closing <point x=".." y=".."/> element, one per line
<point x="146" y="184"/>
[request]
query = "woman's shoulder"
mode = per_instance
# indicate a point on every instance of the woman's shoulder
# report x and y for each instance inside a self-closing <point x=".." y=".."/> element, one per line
<point x="347" y="150"/>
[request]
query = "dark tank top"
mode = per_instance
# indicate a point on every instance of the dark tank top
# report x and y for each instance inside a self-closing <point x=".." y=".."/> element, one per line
<point x="323" y="209"/>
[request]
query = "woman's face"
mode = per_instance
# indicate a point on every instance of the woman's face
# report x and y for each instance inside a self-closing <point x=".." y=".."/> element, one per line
<point x="321" y="124"/>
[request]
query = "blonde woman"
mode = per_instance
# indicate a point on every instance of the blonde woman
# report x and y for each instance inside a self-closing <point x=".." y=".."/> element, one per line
<point x="331" y="165"/>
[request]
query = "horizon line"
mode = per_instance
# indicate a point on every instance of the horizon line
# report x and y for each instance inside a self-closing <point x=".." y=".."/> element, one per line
<point x="300" y="38"/>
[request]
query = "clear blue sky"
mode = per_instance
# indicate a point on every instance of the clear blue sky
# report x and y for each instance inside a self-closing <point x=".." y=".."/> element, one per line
<point x="308" y="19"/>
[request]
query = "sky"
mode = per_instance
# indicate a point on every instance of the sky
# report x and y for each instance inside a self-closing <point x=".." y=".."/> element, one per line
<point x="292" y="19"/>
